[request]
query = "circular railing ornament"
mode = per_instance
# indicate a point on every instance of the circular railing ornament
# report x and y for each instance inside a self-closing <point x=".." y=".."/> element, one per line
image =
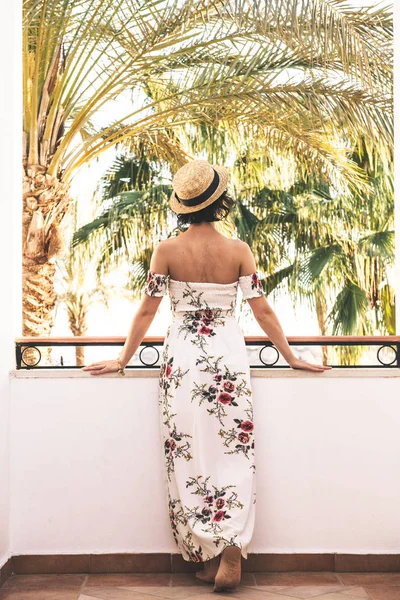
<point x="149" y="364"/>
<point x="31" y="352"/>
<point x="386" y="364"/>
<point x="268" y="364"/>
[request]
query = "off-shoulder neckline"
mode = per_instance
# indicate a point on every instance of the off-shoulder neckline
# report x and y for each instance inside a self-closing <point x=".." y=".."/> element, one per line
<point x="204" y="282"/>
<point x="168" y="276"/>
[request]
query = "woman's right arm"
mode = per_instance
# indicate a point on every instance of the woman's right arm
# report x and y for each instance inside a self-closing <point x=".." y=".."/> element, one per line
<point x="269" y="322"/>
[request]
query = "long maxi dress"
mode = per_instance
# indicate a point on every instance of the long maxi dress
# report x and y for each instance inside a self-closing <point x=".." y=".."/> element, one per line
<point x="206" y="416"/>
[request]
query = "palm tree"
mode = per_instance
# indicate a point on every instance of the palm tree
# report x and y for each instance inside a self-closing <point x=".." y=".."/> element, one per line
<point x="302" y="77"/>
<point x="77" y="296"/>
<point x="332" y="250"/>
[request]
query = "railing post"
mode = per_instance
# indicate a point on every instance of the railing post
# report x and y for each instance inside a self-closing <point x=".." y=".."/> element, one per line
<point x="18" y="355"/>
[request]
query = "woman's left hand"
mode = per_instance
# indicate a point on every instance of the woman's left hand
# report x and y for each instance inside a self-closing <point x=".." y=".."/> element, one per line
<point x="104" y="366"/>
<point x="297" y="363"/>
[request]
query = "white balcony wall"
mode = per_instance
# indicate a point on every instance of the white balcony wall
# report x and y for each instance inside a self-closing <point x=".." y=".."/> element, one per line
<point x="10" y="242"/>
<point x="87" y="464"/>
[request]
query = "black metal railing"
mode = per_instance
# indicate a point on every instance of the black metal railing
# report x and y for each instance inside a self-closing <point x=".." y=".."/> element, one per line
<point x="71" y="352"/>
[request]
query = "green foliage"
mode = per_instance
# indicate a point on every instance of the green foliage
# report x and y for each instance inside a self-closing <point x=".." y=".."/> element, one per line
<point x="296" y="93"/>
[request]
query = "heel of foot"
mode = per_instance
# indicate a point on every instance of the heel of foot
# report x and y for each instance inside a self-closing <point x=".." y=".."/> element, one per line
<point x="229" y="572"/>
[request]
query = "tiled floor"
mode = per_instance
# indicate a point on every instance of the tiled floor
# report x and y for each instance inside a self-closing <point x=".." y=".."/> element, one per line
<point x="179" y="586"/>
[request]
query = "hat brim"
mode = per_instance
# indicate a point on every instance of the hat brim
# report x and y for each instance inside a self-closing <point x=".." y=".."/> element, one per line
<point x="180" y="208"/>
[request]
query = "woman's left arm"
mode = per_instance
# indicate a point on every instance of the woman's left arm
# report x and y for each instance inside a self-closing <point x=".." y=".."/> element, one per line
<point x="140" y="323"/>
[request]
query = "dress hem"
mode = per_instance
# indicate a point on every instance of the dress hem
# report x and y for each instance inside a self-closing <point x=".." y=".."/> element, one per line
<point x="243" y="553"/>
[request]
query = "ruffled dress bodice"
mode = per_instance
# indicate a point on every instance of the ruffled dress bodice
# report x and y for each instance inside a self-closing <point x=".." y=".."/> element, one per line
<point x="200" y="295"/>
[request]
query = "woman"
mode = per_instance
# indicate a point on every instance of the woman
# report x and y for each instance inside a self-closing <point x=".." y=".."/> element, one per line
<point x="205" y="398"/>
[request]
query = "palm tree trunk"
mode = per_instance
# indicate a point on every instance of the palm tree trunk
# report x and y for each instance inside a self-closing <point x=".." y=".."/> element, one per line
<point x="45" y="203"/>
<point x="320" y="305"/>
<point x="78" y="324"/>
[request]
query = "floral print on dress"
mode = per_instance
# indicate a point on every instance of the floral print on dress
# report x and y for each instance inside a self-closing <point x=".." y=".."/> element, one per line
<point x="206" y="417"/>
<point x="240" y="439"/>
<point x="176" y="444"/>
<point x="224" y="389"/>
<point x="251" y="286"/>
<point x="214" y="506"/>
<point x="216" y="503"/>
<point x="201" y="325"/>
<point x="156" y="284"/>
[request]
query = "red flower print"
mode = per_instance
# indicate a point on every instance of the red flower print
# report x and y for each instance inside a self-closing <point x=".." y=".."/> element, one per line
<point x="217" y="377"/>
<point x="243" y="437"/>
<point x="209" y="314"/>
<point x="150" y="276"/>
<point x="224" y="398"/>
<point x="208" y="499"/>
<point x="254" y="278"/>
<point x="228" y="386"/>
<point x="219" y="515"/>
<point x="151" y="285"/>
<point x="198" y="556"/>
<point x="206" y="321"/>
<point x="247" y="425"/>
<point x="220" y="502"/>
<point x="168" y="370"/>
<point x="170" y="444"/>
<point x="205" y="330"/>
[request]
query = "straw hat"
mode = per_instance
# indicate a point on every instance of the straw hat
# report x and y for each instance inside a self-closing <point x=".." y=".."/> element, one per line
<point x="196" y="185"/>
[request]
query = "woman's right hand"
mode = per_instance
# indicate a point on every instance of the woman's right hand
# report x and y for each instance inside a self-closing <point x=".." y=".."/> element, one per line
<point x="297" y="363"/>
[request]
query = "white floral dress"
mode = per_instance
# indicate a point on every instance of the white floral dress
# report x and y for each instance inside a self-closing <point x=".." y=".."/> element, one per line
<point x="206" y="416"/>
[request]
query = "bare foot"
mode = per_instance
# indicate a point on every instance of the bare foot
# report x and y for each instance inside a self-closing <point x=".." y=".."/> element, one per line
<point x="210" y="570"/>
<point x="229" y="572"/>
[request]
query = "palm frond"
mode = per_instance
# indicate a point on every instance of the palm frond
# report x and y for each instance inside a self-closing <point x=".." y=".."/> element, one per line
<point x="378" y="243"/>
<point x="348" y="315"/>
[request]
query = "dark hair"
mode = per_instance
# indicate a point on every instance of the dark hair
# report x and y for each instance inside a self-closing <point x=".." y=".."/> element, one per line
<point x="216" y="211"/>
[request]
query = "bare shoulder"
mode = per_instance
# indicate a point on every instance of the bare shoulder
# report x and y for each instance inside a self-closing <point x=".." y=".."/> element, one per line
<point x="245" y="258"/>
<point x="241" y="245"/>
<point x="159" y="259"/>
<point x="164" y="245"/>
<point x="242" y="248"/>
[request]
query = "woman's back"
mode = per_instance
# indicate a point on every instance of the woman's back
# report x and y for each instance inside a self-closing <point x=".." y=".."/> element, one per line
<point x="202" y="254"/>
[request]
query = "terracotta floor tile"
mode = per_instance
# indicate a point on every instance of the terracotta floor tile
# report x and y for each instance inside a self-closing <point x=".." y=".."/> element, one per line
<point x="34" y="581"/>
<point x="335" y="596"/>
<point x="127" y="579"/>
<point x="187" y="580"/>
<point x="256" y="593"/>
<point x="296" y="578"/>
<point x="364" y="579"/>
<point x="179" y="592"/>
<point x="270" y="588"/>
<point x="117" y="593"/>
<point x="37" y="594"/>
<point x="213" y="596"/>
<point x="190" y="579"/>
<point x="248" y="580"/>
<point x="359" y="592"/>
<point x="307" y="591"/>
<point x="383" y="592"/>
